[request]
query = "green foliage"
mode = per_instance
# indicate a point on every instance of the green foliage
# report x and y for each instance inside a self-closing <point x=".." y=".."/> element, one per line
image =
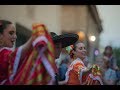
<point x="116" y="52"/>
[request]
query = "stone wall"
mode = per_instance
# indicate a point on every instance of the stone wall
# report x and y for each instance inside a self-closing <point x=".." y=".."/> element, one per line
<point x="28" y="14"/>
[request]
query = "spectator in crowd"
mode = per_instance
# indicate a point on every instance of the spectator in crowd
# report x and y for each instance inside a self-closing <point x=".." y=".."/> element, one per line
<point x="62" y="41"/>
<point x="63" y="67"/>
<point x="109" y="74"/>
<point x="108" y="52"/>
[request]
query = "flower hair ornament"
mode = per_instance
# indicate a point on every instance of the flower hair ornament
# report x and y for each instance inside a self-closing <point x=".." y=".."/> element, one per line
<point x="69" y="50"/>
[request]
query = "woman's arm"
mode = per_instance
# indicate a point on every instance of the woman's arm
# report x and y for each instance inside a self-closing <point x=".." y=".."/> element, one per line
<point x="87" y="70"/>
<point x="27" y="47"/>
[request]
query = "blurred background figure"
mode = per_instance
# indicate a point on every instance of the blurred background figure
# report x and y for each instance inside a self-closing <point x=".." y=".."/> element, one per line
<point x="61" y="41"/>
<point x="108" y="52"/>
<point x="99" y="60"/>
<point x="109" y="74"/>
<point x="62" y="56"/>
<point x="63" y="67"/>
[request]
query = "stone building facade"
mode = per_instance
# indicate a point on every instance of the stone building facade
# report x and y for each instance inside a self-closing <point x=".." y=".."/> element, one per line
<point x="57" y="18"/>
<point x="82" y="18"/>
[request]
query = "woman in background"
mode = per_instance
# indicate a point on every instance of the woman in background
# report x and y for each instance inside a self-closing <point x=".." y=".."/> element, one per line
<point x="108" y="52"/>
<point x="109" y="75"/>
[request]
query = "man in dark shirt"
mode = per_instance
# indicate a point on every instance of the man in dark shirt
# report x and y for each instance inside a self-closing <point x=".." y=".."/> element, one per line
<point x="62" y="41"/>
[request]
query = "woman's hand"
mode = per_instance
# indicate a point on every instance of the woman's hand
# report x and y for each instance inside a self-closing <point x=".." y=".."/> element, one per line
<point x="89" y="66"/>
<point x="87" y="70"/>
